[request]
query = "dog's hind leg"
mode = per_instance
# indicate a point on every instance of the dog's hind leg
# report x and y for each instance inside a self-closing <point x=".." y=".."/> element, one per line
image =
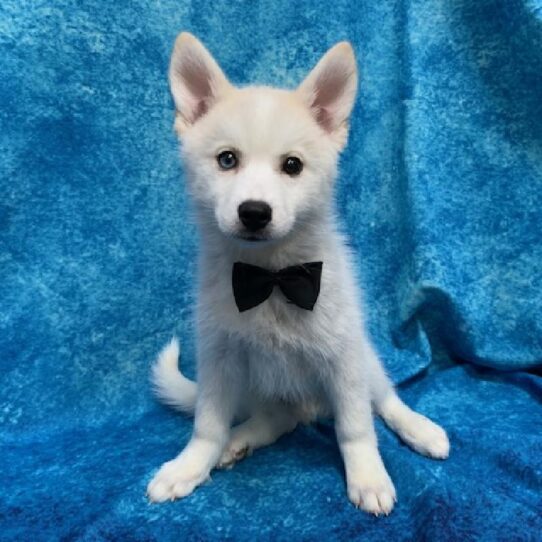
<point x="263" y="427"/>
<point x="420" y="433"/>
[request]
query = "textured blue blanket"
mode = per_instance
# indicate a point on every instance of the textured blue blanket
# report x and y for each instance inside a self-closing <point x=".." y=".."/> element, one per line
<point x="440" y="193"/>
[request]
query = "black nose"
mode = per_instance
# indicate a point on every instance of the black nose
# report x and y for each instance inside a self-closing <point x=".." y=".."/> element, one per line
<point x="255" y="215"/>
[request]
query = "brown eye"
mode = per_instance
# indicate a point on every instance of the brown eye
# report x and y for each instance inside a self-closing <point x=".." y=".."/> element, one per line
<point x="292" y="166"/>
<point x="227" y="160"/>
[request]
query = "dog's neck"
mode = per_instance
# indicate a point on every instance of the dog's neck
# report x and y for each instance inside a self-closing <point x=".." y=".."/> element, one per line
<point x="307" y="243"/>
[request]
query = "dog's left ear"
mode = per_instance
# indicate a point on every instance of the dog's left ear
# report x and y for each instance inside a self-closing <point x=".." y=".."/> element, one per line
<point x="330" y="90"/>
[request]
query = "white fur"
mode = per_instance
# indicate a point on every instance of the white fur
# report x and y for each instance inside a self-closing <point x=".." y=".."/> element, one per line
<point x="170" y="385"/>
<point x="276" y="365"/>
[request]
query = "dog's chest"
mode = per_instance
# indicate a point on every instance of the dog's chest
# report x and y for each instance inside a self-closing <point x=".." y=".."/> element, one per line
<point x="288" y="350"/>
<point x="286" y="374"/>
<point x="276" y="325"/>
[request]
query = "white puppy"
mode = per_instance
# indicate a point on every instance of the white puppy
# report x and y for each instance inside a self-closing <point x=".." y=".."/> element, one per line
<point x="260" y="165"/>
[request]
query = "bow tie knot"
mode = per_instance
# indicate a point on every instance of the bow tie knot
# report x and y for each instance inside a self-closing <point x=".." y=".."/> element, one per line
<point x="252" y="285"/>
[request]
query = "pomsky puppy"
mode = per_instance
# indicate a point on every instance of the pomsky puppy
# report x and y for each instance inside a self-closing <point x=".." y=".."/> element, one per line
<point x="280" y="332"/>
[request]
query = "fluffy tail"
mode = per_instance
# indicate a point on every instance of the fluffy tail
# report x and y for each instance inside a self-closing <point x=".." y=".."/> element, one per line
<point x="170" y="385"/>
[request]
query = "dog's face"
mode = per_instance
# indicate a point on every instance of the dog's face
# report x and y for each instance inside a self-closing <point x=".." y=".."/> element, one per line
<point x="260" y="161"/>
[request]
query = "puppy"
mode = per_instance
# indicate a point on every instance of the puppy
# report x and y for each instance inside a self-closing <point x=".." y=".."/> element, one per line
<point x="280" y="332"/>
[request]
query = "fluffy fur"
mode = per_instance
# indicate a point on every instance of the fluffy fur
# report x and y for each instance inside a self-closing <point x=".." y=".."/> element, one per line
<point x="276" y="365"/>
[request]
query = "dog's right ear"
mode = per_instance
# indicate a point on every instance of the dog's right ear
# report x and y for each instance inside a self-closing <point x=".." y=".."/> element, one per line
<point x="195" y="79"/>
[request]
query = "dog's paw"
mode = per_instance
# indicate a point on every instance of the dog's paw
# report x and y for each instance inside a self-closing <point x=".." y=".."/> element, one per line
<point x="234" y="452"/>
<point x="374" y="493"/>
<point x="174" y="481"/>
<point x="425" y="437"/>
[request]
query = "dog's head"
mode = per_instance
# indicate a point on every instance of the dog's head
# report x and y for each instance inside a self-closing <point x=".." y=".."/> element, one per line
<point x="260" y="160"/>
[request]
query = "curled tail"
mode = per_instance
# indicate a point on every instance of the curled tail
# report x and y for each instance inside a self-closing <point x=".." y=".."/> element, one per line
<point x="170" y="385"/>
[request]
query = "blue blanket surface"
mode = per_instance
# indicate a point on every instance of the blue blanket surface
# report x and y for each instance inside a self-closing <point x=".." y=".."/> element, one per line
<point x="440" y="194"/>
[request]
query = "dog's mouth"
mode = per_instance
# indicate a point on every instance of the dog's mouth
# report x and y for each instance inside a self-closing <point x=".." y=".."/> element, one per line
<point x="252" y="237"/>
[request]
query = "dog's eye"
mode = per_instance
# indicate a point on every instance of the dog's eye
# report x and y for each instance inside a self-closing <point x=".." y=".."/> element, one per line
<point x="227" y="160"/>
<point x="292" y="166"/>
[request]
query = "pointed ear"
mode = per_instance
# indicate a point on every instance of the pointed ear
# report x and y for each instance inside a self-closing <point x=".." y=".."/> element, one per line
<point x="195" y="79"/>
<point x="330" y="89"/>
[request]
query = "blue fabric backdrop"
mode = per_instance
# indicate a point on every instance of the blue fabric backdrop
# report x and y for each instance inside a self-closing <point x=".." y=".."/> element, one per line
<point x="440" y="193"/>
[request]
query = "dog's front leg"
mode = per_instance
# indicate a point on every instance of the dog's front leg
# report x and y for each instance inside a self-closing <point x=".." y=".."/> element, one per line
<point x="368" y="484"/>
<point x="218" y="391"/>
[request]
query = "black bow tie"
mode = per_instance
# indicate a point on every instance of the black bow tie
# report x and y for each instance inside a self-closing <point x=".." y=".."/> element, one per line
<point x="252" y="285"/>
